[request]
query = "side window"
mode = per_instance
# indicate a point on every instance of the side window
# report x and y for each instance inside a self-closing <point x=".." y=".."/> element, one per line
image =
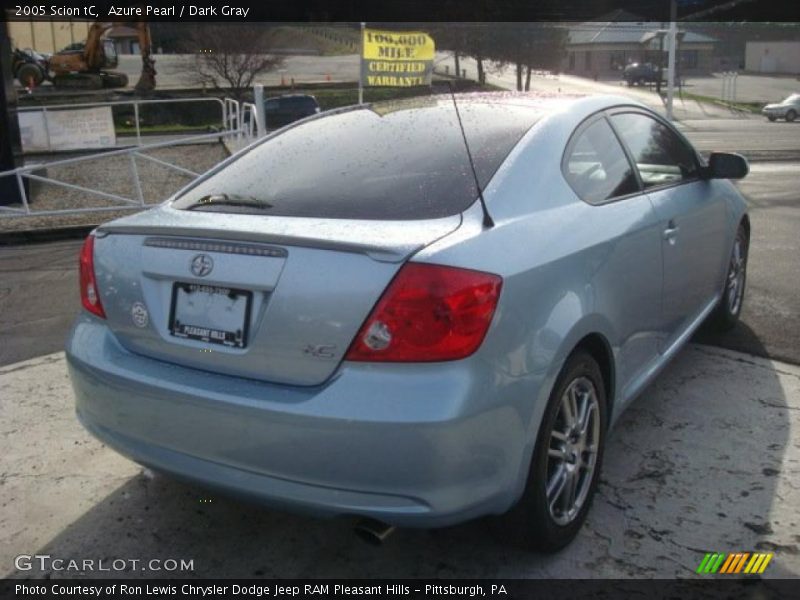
<point x="596" y="166"/>
<point x="661" y="156"/>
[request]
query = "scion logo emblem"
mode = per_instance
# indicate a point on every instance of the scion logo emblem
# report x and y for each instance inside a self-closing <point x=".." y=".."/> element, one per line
<point x="139" y="314"/>
<point x="202" y="265"/>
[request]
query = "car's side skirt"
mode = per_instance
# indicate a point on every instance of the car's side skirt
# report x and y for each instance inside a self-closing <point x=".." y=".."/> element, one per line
<point x="635" y="387"/>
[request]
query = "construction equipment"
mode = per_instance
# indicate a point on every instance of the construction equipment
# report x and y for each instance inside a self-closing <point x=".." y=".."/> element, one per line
<point x="85" y="65"/>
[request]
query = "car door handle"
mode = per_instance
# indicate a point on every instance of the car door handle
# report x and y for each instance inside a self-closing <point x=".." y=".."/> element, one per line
<point x="671" y="231"/>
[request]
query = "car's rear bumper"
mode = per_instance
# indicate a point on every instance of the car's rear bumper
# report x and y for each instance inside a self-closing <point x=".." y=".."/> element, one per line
<point x="414" y="445"/>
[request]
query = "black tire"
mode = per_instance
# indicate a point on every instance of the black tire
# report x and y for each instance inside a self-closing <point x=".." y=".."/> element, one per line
<point x="791" y="116"/>
<point x="114" y="80"/>
<point x="726" y="314"/>
<point x="532" y="521"/>
<point x="30" y="73"/>
<point x="771" y="118"/>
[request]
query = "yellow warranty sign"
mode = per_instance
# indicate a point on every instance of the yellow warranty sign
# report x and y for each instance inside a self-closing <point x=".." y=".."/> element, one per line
<point x="397" y="58"/>
<point x="398" y="45"/>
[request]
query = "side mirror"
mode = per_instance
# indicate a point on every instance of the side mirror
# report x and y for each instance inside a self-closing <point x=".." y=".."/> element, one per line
<point x="726" y="165"/>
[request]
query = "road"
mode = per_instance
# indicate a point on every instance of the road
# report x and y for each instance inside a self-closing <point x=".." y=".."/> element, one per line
<point x="757" y="139"/>
<point x="175" y="70"/>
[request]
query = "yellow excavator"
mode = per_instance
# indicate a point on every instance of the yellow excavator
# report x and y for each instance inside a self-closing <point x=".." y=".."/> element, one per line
<point x="85" y="65"/>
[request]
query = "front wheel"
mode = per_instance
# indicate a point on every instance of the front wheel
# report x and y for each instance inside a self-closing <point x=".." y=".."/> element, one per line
<point x="30" y="75"/>
<point x="772" y="118"/>
<point x="726" y="315"/>
<point x="566" y="463"/>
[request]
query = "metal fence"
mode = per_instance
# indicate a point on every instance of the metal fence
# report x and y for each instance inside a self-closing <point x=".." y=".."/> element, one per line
<point x="235" y="128"/>
<point x="228" y="112"/>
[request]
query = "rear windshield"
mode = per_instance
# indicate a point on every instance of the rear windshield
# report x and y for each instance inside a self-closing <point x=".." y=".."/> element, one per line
<point x="394" y="161"/>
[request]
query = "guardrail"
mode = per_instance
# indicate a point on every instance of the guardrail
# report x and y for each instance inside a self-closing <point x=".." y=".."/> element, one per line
<point x="229" y="111"/>
<point x="250" y="125"/>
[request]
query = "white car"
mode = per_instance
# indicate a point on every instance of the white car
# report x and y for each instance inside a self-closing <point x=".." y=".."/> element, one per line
<point x="788" y="109"/>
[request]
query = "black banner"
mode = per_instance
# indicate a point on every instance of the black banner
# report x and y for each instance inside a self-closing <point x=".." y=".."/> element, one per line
<point x="400" y="10"/>
<point x="309" y="589"/>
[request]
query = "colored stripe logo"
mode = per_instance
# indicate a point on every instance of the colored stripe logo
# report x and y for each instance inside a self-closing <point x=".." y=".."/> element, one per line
<point x="732" y="563"/>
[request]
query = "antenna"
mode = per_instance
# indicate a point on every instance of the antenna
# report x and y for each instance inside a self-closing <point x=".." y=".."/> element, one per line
<point x="487" y="219"/>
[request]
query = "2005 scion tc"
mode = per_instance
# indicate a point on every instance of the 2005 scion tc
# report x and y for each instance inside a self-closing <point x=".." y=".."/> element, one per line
<point x="362" y="314"/>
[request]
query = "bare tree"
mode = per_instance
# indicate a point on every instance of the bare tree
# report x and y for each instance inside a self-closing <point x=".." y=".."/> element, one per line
<point x="230" y="56"/>
<point x="525" y="46"/>
<point x="528" y="46"/>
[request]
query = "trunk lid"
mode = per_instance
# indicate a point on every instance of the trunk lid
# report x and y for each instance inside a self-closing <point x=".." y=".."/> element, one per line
<point x="272" y="298"/>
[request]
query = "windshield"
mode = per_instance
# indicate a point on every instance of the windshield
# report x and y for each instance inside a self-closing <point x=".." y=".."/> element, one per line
<point x="401" y="160"/>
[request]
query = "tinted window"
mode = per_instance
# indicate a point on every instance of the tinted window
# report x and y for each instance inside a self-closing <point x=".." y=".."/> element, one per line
<point x="660" y="155"/>
<point x="596" y="166"/>
<point x="399" y="160"/>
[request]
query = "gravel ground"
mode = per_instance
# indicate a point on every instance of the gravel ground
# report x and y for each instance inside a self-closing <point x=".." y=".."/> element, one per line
<point x="111" y="175"/>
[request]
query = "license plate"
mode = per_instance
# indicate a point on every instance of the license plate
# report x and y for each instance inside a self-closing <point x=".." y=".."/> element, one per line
<point x="208" y="313"/>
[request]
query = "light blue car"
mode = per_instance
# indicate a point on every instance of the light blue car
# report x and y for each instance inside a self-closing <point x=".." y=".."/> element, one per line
<point x="337" y="320"/>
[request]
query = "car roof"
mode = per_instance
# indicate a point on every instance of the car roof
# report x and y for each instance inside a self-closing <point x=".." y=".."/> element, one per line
<point x="539" y="105"/>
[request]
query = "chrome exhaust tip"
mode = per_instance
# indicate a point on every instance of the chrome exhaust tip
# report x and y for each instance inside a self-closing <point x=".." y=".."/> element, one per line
<point x="372" y="531"/>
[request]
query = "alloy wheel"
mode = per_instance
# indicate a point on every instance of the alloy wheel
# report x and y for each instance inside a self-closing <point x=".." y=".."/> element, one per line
<point x="736" y="274"/>
<point x="572" y="452"/>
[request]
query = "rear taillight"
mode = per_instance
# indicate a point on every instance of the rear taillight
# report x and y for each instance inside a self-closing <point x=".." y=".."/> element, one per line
<point x="90" y="294"/>
<point x="428" y="313"/>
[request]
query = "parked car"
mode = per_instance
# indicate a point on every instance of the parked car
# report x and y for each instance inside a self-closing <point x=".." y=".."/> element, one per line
<point x="346" y="319"/>
<point x="282" y="110"/>
<point x="788" y="109"/>
<point x="640" y="73"/>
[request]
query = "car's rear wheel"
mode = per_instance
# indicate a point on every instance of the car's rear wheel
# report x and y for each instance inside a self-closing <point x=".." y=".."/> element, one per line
<point x="726" y="315"/>
<point x="566" y="463"/>
<point x="791" y="116"/>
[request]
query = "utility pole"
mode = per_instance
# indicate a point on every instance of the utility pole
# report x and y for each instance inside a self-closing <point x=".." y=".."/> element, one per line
<point x="673" y="36"/>
<point x="10" y="145"/>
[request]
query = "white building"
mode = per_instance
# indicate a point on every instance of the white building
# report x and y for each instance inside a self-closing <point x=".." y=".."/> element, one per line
<point x="773" y="57"/>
